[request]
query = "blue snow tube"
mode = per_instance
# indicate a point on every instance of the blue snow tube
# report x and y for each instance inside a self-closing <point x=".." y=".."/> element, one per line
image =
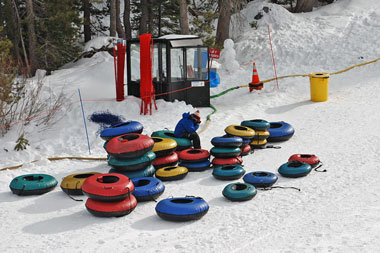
<point x="147" y="172"/>
<point x="239" y="191"/>
<point x="294" y="169"/>
<point x="260" y="179"/>
<point x="133" y="163"/>
<point x="182" y="209"/>
<point x="228" y="172"/>
<point x="32" y="184"/>
<point x="121" y="128"/>
<point x="225" y="152"/>
<point x="214" y="79"/>
<point x="147" y="188"/>
<point x="227" y="141"/>
<point x="193" y="167"/>
<point x="280" y="131"/>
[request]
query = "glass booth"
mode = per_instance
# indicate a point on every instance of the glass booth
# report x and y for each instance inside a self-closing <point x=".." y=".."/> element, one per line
<point x="180" y="69"/>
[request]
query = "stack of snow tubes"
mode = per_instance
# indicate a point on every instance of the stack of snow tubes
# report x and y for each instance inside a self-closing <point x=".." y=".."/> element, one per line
<point x="226" y="150"/>
<point x="166" y="159"/>
<point x="194" y="159"/>
<point x="131" y="155"/>
<point x="165" y="148"/>
<point x="261" y="127"/>
<point x="244" y="132"/>
<point x="109" y="195"/>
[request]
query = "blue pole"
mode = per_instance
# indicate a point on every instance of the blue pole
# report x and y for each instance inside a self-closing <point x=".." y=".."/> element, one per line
<point x="84" y="120"/>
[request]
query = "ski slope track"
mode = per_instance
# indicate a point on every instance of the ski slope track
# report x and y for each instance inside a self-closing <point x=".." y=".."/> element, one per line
<point x="336" y="211"/>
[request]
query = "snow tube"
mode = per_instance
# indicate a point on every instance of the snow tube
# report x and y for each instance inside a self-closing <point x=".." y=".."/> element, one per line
<point x="239" y="191"/>
<point x="111" y="209"/>
<point x="261" y="135"/>
<point x="229" y="172"/>
<point x="225" y="152"/>
<point x="214" y="79"/>
<point x="182" y="209"/>
<point x="260" y="179"/>
<point x="108" y="187"/>
<point x="193" y="155"/>
<point x="258" y="143"/>
<point x="72" y="184"/>
<point x="227" y="141"/>
<point x="132" y="164"/>
<point x="256" y="124"/>
<point x="163" y="146"/>
<point x="129" y="146"/>
<point x="147" y="172"/>
<point x="147" y="188"/>
<point x="169" y="160"/>
<point x="227" y="161"/>
<point x="121" y="128"/>
<point x="193" y="167"/>
<point x="245" y="150"/>
<point x="182" y="143"/>
<point x="280" y="131"/>
<point x="294" y="169"/>
<point x="171" y="173"/>
<point x="32" y="184"/>
<point x="241" y="131"/>
<point x="311" y="159"/>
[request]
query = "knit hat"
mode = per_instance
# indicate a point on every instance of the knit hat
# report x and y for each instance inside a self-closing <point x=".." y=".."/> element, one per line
<point x="197" y="116"/>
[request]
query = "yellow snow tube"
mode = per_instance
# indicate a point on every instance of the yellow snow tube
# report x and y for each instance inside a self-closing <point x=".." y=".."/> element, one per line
<point x="241" y="131"/>
<point x="261" y="135"/>
<point x="72" y="184"/>
<point x="163" y="146"/>
<point x="171" y="173"/>
<point x="258" y="143"/>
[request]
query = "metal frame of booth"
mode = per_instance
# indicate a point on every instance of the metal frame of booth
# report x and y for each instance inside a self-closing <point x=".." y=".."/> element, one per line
<point x="193" y="83"/>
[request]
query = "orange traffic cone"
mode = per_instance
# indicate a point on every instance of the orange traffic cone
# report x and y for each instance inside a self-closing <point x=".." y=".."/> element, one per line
<point x="255" y="84"/>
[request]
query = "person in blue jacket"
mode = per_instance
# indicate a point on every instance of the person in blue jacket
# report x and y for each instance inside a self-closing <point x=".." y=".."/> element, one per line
<point x="187" y="127"/>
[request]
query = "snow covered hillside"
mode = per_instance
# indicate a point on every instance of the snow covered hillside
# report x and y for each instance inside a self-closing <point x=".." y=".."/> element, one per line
<point x="336" y="211"/>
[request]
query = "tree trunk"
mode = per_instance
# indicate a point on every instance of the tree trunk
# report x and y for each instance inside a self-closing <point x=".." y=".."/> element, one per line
<point x="11" y="29"/>
<point x="150" y="17"/>
<point x="184" y="22"/>
<point x="113" y="18"/>
<point x="86" y="20"/>
<point x="305" y="5"/>
<point x="31" y="36"/>
<point x="223" y="29"/>
<point x="127" y="19"/>
<point x="21" y="38"/>
<point x="144" y="16"/>
<point x="119" y="26"/>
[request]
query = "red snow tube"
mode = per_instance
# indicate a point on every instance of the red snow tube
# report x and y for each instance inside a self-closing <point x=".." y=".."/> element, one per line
<point x="129" y="145"/>
<point x="227" y="161"/>
<point x="111" y="209"/>
<point x="311" y="159"/>
<point x="194" y="155"/>
<point x="108" y="187"/>
<point x="164" y="161"/>
<point x="245" y="151"/>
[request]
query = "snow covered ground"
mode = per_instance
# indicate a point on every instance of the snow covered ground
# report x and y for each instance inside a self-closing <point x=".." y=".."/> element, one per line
<point x="337" y="211"/>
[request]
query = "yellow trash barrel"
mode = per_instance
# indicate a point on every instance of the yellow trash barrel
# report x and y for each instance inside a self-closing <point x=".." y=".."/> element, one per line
<point x="319" y="86"/>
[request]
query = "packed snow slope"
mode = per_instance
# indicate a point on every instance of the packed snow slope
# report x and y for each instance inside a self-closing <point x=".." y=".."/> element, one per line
<point x="336" y="211"/>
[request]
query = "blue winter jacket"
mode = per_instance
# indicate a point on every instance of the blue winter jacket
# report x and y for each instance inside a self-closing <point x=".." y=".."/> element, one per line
<point x="185" y="125"/>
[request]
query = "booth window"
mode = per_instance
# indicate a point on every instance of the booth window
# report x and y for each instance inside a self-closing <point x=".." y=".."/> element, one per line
<point x="135" y="62"/>
<point x="197" y="63"/>
<point x="176" y="64"/>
